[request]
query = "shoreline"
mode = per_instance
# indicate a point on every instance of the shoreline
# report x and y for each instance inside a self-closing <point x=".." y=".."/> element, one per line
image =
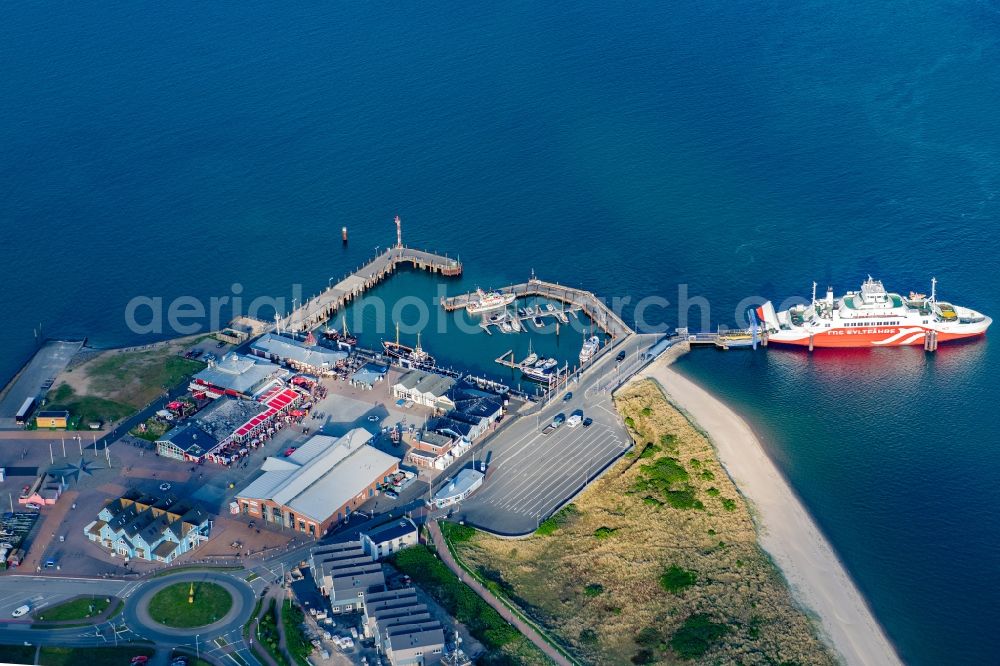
<point x="785" y="530"/>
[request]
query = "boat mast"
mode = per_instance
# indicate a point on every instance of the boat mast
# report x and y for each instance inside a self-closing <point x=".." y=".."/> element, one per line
<point x="933" y="290"/>
<point x="814" y="294"/>
<point x="345" y="325"/>
<point x="397" y="335"/>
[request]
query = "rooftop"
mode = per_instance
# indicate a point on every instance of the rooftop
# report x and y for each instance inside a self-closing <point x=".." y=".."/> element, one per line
<point x="322" y="475"/>
<point x="391" y="530"/>
<point x="402" y="621"/>
<point x="459" y="485"/>
<point x="299" y="352"/>
<point x="224" y="415"/>
<point x="239" y="373"/>
<point x="347" y="566"/>
<point x="426" y="382"/>
<point x="190" y="439"/>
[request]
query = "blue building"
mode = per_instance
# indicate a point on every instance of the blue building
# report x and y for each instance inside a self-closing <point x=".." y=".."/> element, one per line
<point x="157" y="529"/>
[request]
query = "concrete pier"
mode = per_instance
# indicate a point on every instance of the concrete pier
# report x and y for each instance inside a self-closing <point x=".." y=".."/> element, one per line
<point x="322" y="307"/>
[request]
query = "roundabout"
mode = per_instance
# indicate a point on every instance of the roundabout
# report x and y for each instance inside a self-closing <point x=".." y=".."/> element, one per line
<point x="164" y="610"/>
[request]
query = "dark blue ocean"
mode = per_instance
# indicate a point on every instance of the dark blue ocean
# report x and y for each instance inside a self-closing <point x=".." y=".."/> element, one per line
<point x="176" y="149"/>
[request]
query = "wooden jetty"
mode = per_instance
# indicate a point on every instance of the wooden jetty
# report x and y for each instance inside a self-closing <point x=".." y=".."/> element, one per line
<point x="322" y="307"/>
<point x="575" y="300"/>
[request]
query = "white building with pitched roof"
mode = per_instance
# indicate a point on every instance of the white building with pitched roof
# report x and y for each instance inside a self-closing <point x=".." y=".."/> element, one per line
<point x="318" y="485"/>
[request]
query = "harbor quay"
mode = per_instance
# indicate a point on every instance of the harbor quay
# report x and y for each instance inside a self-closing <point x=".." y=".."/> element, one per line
<point x="325" y="305"/>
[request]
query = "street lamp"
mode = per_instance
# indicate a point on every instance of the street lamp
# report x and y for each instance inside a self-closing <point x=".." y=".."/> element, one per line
<point x="329" y="283"/>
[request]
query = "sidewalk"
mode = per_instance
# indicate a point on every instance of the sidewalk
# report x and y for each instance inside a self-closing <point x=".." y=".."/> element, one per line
<point x="488" y="597"/>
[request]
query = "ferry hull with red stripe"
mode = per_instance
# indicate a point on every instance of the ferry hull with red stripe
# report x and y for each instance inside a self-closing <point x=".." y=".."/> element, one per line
<point x="888" y="336"/>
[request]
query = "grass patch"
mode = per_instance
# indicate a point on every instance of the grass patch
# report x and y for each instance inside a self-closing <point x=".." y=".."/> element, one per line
<point x="17" y="654"/>
<point x="154" y="370"/>
<point x="251" y="577"/>
<point x="696" y="636"/>
<point x="675" y="579"/>
<point x="267" y="634"/>
<point x="74" y="609"/>
<point x="604" y="532"/>
<point x="296" y="642"/>
<point x="561" y="518"/>
<point x="170" y="605"/>
<point x="456" y="533"/>
<point x="103" y="656"/>
<point x="86" y="409"/>
<point x="650" y="450"/>
<point x="155" y="428"/>
<point x="728" y="504"/>
<point x="482" y="621"/>
<point x="594" y="590"/>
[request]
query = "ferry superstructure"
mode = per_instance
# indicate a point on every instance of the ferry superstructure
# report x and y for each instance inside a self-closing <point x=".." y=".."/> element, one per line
<point x="870" y="317"/>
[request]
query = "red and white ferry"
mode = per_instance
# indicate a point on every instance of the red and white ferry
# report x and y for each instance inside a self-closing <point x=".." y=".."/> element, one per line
<point x="871" y="317"/>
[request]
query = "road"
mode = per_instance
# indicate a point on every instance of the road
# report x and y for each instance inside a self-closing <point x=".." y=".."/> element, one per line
<point x="42" y="591"/>
<point x="532" y="474"/>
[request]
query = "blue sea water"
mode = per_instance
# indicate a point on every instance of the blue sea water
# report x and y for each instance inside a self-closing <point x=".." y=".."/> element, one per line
<point x="172" y="149"/>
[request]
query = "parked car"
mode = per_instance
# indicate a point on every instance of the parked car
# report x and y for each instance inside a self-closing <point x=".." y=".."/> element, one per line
<point x="221" y="344"/>
<point x="587" y="422"/>
<point x="391" y="494"/>
<point x="621" y="356"/>
<point x="140" y="659"/>
<point x="568" y="396"/>
<point x="575" y="419"/>
<point x="33" y="506"/>
<point x="558" y="420"/>
<point x="20" y="610"/>
<point x="289" y="451"/>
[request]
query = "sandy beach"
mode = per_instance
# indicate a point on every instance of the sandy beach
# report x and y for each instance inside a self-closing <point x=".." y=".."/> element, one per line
<point x="786" y="530"/>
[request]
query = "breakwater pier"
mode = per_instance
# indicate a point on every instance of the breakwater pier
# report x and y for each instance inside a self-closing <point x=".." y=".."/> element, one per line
<point x="324" y="305"/>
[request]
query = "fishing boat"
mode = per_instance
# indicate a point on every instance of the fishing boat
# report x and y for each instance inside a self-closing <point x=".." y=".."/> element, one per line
<point x="486" y="301"/>
<point x="497" y="318"/>
<point x="331" y="333"/>
<point x="550" y="363"/>
<point x="346" y="336"/>
<point x="589" y="348"/>
<point x="505" y="327"/>
<point x="405" y="353"/>
<point x="515" y="324"/>
<point x="549" y="308"/>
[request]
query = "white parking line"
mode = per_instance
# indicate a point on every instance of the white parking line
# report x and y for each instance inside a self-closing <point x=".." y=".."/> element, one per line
<point x="547" y="467"/>
<point x="572" y="475"/>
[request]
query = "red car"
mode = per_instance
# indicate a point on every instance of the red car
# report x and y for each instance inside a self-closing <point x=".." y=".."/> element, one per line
<point x="139" y="659"/>
<point x="289" y="451"/>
